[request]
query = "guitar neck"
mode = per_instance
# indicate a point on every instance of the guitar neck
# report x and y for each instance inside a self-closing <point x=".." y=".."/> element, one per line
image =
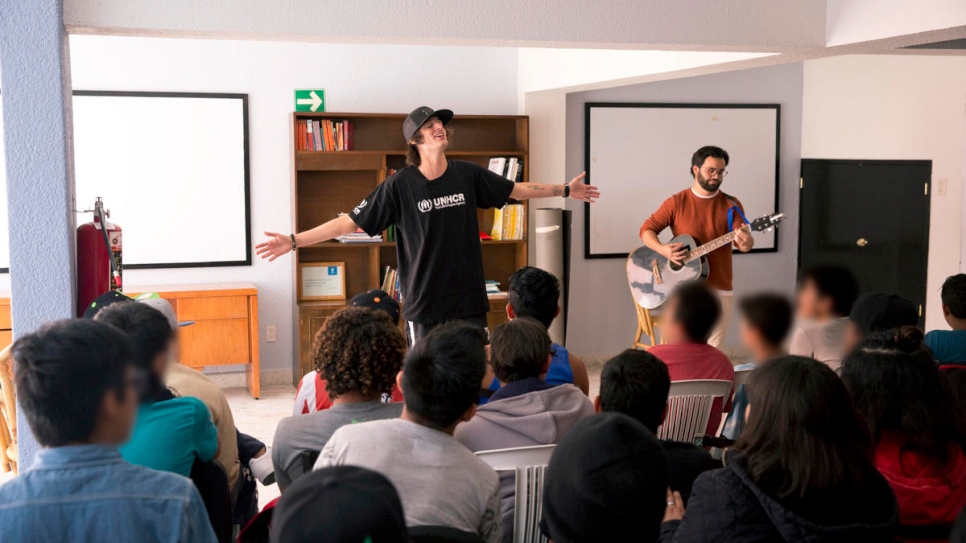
<point x="714" y="244"/>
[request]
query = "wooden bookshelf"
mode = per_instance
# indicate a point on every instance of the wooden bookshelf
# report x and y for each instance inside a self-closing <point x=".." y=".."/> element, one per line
<point x="331" y="182"/>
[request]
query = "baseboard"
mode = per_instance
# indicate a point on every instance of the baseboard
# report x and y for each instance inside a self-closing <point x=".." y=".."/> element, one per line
<point x="237" y="379"/>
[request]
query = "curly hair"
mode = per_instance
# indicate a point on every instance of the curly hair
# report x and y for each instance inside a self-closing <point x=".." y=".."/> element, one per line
<point x="359" y="350"/>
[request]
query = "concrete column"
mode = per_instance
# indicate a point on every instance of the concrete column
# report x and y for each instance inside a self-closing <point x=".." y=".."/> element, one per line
<point x="36" y="93"/>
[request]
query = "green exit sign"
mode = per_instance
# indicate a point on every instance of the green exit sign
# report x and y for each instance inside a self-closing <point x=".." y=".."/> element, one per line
<point x="309" y="99"/>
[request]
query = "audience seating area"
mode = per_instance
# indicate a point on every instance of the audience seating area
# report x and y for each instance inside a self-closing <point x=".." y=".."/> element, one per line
<point x="629" y="464"/>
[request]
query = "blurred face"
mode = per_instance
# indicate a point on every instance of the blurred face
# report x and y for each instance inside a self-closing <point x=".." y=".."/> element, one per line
<point x="433" y="136"/>
<point x="811" y="304"/>
<point x="853" y="336"/>
<point x="749" y="336"/>
<point x="710" y="175"/>
<point x="160" y="366"/>
<point x="118" y="413"/>
<point x="671" y="330"/>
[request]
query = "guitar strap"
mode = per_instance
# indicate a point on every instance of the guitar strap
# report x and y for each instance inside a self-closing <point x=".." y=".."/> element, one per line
<point x="731" y="213"/>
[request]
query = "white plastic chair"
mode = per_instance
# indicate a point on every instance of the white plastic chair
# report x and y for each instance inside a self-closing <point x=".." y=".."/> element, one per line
<point x="689" y="408"/>
<point x="529" y="464"/>
<point x="742" y="376"/>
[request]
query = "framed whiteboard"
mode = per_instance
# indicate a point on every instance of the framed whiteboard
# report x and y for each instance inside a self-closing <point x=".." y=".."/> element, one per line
<point x="173" y="170"/>
<point x="639" y="153"/>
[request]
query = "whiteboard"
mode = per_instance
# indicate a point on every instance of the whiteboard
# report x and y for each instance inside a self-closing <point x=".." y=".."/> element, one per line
<point x="640" y="154"/>
<point x="173" y="170"/>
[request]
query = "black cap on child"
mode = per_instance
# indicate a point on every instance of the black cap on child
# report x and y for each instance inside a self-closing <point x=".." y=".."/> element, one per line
<point x="878" y="311"/>
<point x="342" y="504"/>
<point x="377" y="300"/>
<point x="607" y="480"/>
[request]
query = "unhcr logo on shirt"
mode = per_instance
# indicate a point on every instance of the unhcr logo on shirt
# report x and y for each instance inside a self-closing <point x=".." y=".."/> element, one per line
<point x="441" y="202"/>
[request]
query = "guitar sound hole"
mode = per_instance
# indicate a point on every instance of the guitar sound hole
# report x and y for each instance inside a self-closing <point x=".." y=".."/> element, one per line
<point x="675" y="266"/>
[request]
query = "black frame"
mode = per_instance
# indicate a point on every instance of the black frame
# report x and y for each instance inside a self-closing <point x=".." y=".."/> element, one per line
<point x="248" y="204"/>
<point x="674" y="105"/>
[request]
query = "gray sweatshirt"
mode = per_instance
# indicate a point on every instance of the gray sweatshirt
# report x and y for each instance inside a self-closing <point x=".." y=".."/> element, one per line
<point x="534" y="418"/>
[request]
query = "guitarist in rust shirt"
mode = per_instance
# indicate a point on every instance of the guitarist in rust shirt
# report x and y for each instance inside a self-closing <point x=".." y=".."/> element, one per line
<point x="701" y="211"/>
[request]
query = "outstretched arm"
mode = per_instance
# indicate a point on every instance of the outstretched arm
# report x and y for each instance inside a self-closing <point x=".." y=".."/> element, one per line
<point x="278" y="244"/>
<point x="578" y="190"/>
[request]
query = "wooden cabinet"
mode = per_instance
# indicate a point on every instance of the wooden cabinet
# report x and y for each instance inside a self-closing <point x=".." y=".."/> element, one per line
<point x="6" y="326"/>
<point x="225" y="329"/>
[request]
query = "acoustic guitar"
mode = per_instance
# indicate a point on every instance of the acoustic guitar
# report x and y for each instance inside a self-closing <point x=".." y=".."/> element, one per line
<point x="652" y="276"/>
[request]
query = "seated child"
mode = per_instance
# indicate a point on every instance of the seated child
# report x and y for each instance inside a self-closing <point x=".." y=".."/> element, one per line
<point x="636" y="384"/>
<point x="765" y="322"/>
<point x="525" y="411"/>
<point x="949" y="346"/>
<point x="311" y="395"/>
<point x="358" y="353"/>
<point x="607" y="481"/>
<point x="687" y="320"/>
<point x="825" y="297"/>
<point x="440" y="482"/>
<point x="536" y="293"/>
<point x="343" y="504"/>
<point x="76" y="388"/>
<point x="170" y="432"/>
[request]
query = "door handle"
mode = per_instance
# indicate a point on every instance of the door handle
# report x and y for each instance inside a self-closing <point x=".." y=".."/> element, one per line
<point x="861" y="242"/>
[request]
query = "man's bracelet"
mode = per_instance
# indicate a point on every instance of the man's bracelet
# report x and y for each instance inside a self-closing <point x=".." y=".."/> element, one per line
<point x="293" y="241"/>
<point x="566" y="191"/>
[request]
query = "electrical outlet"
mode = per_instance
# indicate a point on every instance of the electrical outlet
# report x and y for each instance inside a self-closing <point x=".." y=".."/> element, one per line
<point x="941" y="186"/>
<point x="271" y="334"/>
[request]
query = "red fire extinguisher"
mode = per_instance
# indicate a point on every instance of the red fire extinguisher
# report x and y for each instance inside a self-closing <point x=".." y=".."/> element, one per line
<point x="98" y="257"/>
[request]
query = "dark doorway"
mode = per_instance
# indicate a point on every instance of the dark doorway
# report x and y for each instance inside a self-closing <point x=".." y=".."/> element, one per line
<point x="872" y="216"/>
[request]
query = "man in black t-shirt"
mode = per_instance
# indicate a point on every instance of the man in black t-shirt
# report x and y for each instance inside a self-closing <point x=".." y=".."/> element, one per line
<point x="433" y="204"/>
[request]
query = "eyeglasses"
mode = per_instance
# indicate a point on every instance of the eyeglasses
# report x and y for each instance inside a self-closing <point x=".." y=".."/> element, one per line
<point x="712" y="171"/>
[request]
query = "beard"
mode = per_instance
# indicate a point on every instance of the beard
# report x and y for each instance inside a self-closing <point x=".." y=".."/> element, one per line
<point x="710" y="185"/>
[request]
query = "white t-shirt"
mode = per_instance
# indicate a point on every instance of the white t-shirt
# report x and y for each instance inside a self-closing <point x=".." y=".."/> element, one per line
<point x="823" y="341"/>
<point x="440" y="482"/>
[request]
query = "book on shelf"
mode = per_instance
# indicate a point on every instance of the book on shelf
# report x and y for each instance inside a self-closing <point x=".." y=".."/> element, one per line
<point x="391" y="233"/>
<point x="511" y="168"/>
<point x="324" y="135"/>
<point x="359" y="237"/>
<point x="390" y="282"/>
<point x="509" y="222"/>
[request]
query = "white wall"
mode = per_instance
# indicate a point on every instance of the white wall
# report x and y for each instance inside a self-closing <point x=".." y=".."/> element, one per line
<point x="356" y="78"/>
<point x="852" y="21"/>
<point x="602" y="316"/>
<point x="902" y="108"/>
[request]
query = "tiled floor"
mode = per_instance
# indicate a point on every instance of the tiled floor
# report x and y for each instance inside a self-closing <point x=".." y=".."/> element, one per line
<point x="259" y="418"/>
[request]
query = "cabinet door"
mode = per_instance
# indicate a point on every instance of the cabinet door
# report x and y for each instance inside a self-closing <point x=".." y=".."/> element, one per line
<point x="311" y="320"/>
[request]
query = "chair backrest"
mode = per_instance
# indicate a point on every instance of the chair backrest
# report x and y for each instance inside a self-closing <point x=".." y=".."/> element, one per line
<point x="689" y="408"/>
<point x="441" y="534"/>
<point x="529" y="465"/>
<point x="742" y="376"/>
<point x="504" y="459"/>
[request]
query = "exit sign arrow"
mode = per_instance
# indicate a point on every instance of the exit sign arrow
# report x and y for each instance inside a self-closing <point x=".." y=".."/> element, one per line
<point x="309" y="100"/>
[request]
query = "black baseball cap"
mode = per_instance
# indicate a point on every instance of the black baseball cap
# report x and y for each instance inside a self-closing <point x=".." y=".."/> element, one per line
<point x="607" y="478"/>
<point x="878" y="311"/>
<point x="377" y="300"/>
<point x="104" y="300"/>
<point x="418" y="117"/>
<point x="338" y="505"/>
